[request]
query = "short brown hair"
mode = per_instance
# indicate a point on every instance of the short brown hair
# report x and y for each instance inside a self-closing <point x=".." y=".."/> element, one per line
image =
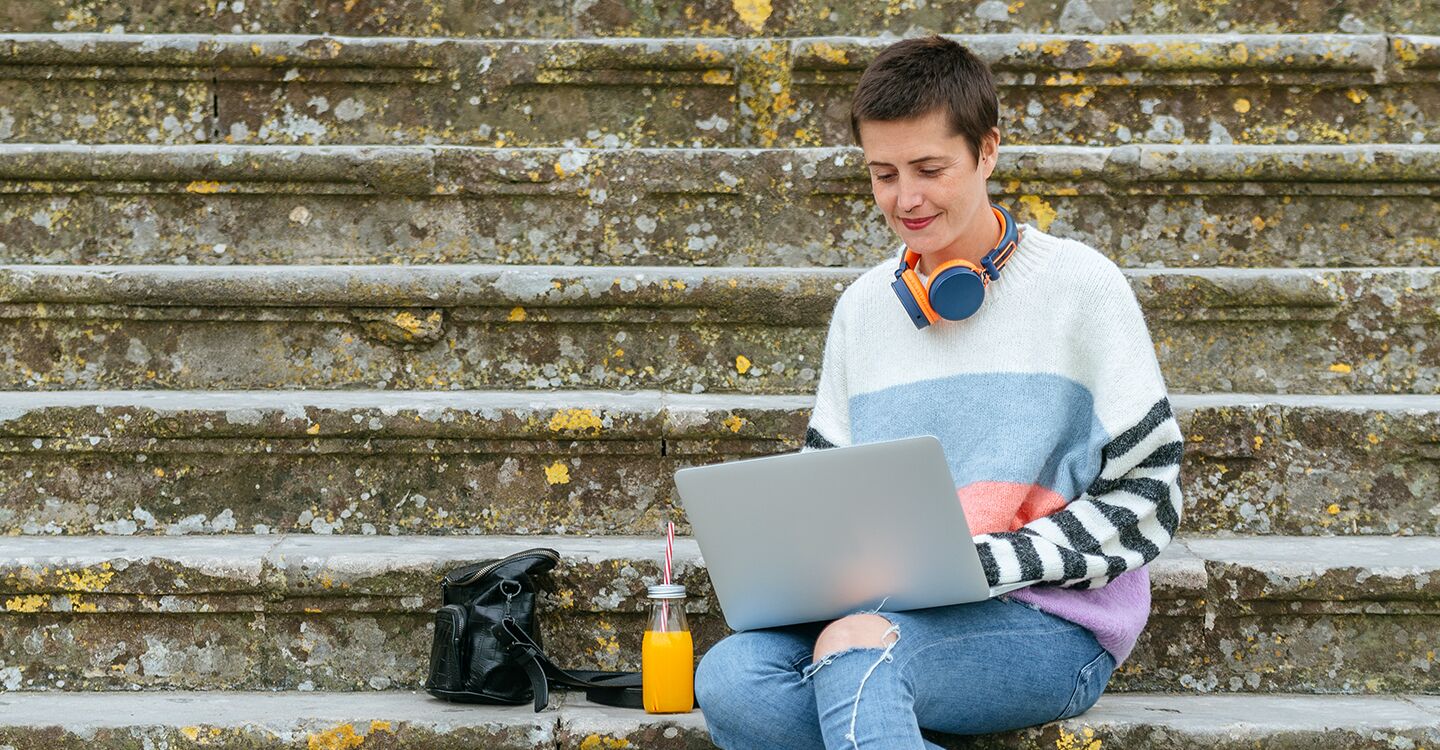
<point x="914" y="77"/>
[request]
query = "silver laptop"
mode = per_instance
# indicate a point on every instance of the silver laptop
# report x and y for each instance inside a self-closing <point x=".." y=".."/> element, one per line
<point x="803" y="537"/>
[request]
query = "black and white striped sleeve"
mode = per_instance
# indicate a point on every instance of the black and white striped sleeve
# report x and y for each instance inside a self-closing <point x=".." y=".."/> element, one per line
<point x="1121" y="522"/>
<point x="1130" y="510"/>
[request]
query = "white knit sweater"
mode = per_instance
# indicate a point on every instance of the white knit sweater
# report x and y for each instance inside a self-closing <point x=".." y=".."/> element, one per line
<point x="1052" y="411"/>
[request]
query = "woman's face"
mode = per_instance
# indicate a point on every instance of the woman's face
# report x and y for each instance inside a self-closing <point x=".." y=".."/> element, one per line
<point x="918" y="170"/>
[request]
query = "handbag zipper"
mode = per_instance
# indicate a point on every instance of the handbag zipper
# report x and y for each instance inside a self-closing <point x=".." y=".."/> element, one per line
<point x="477" y="575"/>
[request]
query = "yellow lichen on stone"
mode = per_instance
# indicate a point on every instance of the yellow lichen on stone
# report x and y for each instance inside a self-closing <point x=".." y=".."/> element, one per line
<point x="1340" y="367"/>
<point x="575" y="420"/>
<point x="1065" y="78"/>
<point x="339" y="738"/>
<point x="1242" y="105"/>
<point x="407" y="321"/>
<point x="753" y="13"/>
<point x="827" y="51"/>
<point x="595" y="741"/>
<point x="1334" y="509"/>
<point x="717" y="77"/>
<point x="1056" y="47"/>
<point x="1404" y="51"/>
<point x="26" y="603"/>
<point x="610" y="645"/>
<point x="769" y="68"/>
<point x="705" y="53"/>
<point x="314" y="429"/>
<point x="1356" y="95"/>
<point x="86" y="579"/>
<point x="1041" y="211"/>
<point x="734" y="422"/>
<point x="193" y="733"/>
<point x="516" y="315"/>
<point x="1074" y="741"/>
<point x="1079" y="98"/>
<point x="742" y="364"/>
<point x="1105" y="57"/>
<point x="557" y="473"/>
<point x="203" y="186"/>
<point x="379" y="726"/>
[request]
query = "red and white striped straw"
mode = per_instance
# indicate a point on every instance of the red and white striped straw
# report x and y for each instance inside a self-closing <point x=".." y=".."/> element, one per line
<point x="669" y="556"/>
<point x="669" y="547"/>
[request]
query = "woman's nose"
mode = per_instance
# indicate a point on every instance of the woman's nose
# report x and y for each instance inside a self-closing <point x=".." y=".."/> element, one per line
<point x="910" y="195"/>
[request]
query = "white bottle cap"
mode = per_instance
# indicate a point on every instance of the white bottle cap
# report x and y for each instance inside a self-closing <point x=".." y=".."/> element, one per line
<point x="665" y="591"/>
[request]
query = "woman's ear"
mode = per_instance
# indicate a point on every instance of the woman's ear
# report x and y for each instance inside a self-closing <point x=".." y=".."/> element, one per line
<point x="990" y="147"/>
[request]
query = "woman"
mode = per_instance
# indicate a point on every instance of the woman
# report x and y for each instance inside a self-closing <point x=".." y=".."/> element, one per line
<point x="1028" y="356"/>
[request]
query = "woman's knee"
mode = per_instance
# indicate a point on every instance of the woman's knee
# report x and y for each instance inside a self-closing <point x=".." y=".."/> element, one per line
<point x="725" y="673"/>
<point x="855" y="631"/>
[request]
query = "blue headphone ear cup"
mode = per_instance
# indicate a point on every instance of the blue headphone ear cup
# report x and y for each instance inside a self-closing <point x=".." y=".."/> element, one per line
<point x="956" y="293"/>
<point x="912" y="307"/>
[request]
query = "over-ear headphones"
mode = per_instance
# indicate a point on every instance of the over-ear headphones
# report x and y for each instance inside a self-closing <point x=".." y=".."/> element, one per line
<point x="956" y="288"/>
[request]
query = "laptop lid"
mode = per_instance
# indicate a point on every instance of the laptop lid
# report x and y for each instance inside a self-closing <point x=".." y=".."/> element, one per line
<point x="803" y="537"/>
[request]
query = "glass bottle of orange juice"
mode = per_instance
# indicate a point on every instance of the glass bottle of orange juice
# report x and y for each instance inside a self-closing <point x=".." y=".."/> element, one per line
<point x="667" y="653"/>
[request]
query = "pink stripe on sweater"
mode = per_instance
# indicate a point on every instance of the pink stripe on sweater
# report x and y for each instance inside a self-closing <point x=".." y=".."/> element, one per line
<point x="1005" y="506"/>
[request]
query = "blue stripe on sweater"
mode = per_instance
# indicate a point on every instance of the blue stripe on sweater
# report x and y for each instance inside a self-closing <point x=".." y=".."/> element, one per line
<point x="1033" y="428"/>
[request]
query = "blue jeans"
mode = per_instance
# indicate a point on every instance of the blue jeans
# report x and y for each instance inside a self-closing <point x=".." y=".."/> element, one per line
<point x="973" y="668"/>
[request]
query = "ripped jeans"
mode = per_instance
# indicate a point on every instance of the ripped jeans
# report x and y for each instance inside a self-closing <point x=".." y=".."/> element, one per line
<point x="972" y="668"/>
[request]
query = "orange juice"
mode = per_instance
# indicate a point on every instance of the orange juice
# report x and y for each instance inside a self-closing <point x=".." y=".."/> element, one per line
<point x="667" y="668"/>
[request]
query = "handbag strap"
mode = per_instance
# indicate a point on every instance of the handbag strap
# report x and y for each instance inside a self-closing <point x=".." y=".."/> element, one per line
<point x="623" y="689"/>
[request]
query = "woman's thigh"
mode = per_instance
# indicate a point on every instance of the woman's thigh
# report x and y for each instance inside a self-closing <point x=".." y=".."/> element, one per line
<point x="997" y="665"/>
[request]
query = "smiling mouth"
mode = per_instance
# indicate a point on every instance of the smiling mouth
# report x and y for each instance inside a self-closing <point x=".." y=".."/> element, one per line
<point x="918" y="223"/>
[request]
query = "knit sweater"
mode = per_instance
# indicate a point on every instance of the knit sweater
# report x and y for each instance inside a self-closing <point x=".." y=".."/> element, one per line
<point x="1054" y="419"/>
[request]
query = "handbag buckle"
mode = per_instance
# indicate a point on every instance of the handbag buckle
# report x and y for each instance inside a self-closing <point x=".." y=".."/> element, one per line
<point x="509" y="595"/>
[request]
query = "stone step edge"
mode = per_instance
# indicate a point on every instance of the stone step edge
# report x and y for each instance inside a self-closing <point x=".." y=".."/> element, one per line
<point x="441" y="170"/>
<point x="789" y="294"/>
<point x="93" y="417"/>
<point x="317" y="719"/>
<point x="609" y="574"/>
<point x="1207" y="52"/>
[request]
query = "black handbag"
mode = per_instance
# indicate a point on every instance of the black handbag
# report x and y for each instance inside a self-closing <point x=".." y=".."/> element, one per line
<point x="487" y="640"/>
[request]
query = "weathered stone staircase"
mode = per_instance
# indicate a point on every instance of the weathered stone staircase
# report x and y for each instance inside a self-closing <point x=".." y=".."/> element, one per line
<point x="306" y="303"/>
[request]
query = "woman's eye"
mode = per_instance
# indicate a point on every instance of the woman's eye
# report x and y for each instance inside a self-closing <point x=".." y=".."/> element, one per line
<point x="929" y="172"/>
<point x="885" y="177"/>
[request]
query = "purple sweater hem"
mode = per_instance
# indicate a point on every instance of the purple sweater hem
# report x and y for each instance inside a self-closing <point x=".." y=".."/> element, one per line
<point x="1115" y="613"/>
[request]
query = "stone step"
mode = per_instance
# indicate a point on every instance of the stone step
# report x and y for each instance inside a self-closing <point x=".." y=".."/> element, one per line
<point x="1152" y="205"/>
<point x="701" y="92"/>
<point x="640" y="18"/>
<point x="580" y="462"/>
<point x="320" y="721"/>
<point x="747" y="330"/>
<point x="1246" y="614"/>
